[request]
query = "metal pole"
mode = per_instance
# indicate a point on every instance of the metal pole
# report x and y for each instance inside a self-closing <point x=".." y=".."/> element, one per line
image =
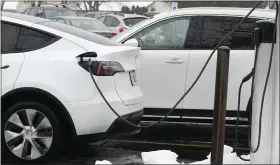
<point x="218" y="130"/>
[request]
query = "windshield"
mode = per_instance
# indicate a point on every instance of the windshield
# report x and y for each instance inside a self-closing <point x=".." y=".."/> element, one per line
<point x="50" y="13"/>
<point x="88" y="24"/>
<point x="132" y="21"/>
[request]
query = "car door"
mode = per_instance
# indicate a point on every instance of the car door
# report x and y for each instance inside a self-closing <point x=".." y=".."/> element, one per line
<point x="164" y="60"/>
<point x="210" y="31"/>
<point x="12" y="57"/>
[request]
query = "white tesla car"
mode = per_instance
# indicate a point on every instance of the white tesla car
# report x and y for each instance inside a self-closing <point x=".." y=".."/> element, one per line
<point x="48" y="96"/>
<point x="176" y="44"/>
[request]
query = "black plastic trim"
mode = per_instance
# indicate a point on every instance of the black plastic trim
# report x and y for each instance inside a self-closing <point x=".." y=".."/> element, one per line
<point x="266" y="31"/>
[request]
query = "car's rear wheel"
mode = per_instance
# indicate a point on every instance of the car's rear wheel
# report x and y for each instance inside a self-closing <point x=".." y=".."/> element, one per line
<point x="30" y="133"/>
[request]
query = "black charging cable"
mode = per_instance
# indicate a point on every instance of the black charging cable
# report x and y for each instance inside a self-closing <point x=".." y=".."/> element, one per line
<point x="252" y="92"/>
<point x="190" y="88"/>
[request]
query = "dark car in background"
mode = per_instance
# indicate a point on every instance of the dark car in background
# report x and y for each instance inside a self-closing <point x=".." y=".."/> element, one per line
<point x="85" y="23"/>
<point x="49" y="11"/>
<point x="97" y="14"/>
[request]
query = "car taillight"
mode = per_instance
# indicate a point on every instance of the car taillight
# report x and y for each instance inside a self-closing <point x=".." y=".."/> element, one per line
<point x="113" y="34"/>
<point x="103" y="68"/>
<point x="122" y="29"/>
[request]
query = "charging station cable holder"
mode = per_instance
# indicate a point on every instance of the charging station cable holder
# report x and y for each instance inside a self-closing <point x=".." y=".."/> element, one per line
<point x="268" y="152"/>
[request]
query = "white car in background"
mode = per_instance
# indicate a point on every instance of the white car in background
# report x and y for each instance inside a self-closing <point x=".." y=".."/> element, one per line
<point x="48" y="97"/>
<point x="120" y="22"/>
<point x="176" y="44"/>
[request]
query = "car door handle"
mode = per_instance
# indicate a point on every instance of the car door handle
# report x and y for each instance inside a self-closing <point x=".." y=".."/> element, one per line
<point x="175" y="61"/>
<point x="5" y="67"/>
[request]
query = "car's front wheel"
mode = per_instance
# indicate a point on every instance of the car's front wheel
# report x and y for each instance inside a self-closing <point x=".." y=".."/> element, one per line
<point x="30" y="133"/>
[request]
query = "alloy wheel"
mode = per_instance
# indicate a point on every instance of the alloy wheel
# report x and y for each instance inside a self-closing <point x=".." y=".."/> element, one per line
<point x="28" y="134"/>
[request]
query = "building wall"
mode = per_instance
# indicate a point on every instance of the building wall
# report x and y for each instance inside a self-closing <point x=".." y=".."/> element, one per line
<point x="160" y="6"/>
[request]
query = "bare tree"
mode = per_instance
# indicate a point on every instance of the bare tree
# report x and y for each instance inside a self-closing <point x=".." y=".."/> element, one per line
<point x="2" y="5"/>
<point x="94" y="5"/>
<point x="85" y="4"/>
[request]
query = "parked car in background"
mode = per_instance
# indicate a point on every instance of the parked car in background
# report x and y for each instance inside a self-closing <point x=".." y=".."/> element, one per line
<point x="48" y="98"/>
<point x="119" y="22"/>
<point x="97" y="14"/>
<point x="90" y="24"/>
<point x="49" y="11"/>
<point x="174" y="47"/>
<point x="151" y="13"/>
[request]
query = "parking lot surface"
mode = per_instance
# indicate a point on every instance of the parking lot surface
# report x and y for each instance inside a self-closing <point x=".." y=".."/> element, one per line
<point x="89" y="155"/>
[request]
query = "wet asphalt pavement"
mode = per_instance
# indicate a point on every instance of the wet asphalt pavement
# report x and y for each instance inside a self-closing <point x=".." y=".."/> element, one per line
<point x="92" y="153"/>
<point x="190" y="143"/>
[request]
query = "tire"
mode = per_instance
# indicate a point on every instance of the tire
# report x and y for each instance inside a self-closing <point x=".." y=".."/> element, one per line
<point x="38" y="147"/>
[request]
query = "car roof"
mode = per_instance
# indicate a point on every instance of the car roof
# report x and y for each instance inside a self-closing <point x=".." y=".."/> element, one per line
<point x="62" y="30"/>
<point x="75" y="17"/>
<point x="50" y="7"/>
<point x="125" y="16"/>
<point x="24" y="17"/>
<point x="231" y="11"/>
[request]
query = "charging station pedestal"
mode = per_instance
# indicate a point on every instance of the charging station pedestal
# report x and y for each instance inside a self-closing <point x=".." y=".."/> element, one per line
<point x="268" y="152"/>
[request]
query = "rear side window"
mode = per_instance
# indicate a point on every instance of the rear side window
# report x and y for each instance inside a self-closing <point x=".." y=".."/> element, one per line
<point x="101" y="19"/>
<point x="211" y="30"/>
<point x="116" y="22"/>
<point x="132" y="21"/>
<point x="30" y="39"/>
<point x="109" y="21"/>
<point x="9" y="36"/>
<point x="16" y="38"/>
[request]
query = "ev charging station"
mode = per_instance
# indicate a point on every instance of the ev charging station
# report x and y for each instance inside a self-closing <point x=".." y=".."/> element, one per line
<point x="268" y="152"/>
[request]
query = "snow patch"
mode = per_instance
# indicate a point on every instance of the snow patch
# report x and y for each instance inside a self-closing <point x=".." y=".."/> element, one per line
<point x="159" y="157"/>
<point x="169" y="157"/>
<point x="103" y="162"/>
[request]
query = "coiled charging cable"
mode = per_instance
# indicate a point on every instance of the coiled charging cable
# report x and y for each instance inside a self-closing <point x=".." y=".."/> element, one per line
<point x="190" y="88"/>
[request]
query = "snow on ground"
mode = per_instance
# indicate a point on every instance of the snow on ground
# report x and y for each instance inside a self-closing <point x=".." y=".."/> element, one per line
<point x="103" y="162"/>
<point x="169" y="157"/>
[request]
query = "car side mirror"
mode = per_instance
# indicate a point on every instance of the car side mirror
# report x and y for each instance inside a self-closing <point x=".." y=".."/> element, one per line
<point x="132" y="42"/>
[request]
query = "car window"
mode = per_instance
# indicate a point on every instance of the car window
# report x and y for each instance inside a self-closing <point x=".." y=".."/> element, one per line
<point x="33" y="12"/>
<point x="30" y="39"/>
<point x="132" y="21"/>
<point x="101" y="18"/>
<point x="88" y="24"/>
<point x="80" y="33"/>
<point x="26" y="11"/>
<point x="169" y="34"/>
<point x="116" y="22"/>
<point x="212" y="30"/>
<point x="90" y="15"/>
<point x="9" y="35"/>
<point x="50" y="13"/>
<point x="61" y="21"/>
<point x="109" y="21"/>
<point x="40" y="13"/>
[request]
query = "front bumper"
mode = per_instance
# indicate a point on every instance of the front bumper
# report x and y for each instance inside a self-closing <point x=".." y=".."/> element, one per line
<point x="118" y="128"/>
